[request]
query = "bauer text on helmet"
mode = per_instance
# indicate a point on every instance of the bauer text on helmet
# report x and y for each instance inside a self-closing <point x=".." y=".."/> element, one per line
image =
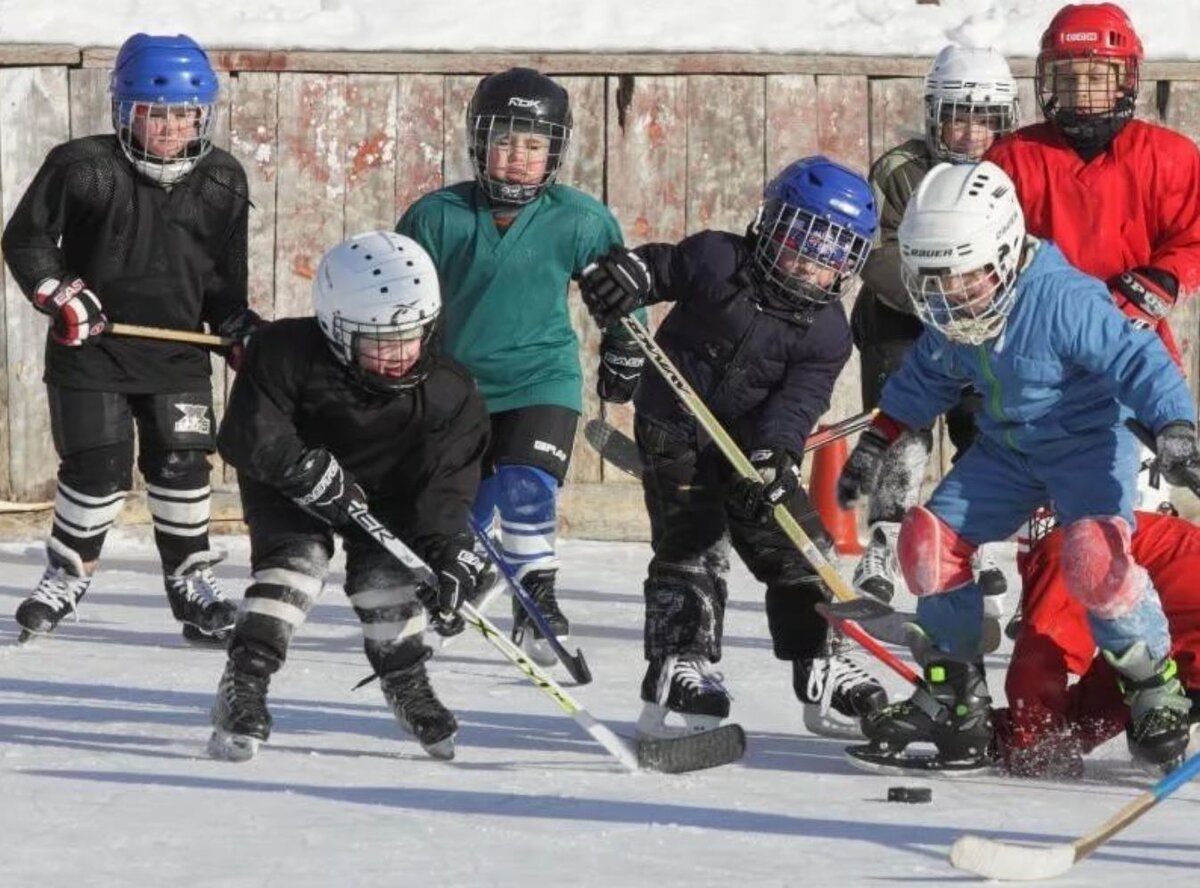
<point x="970" y="101"/>
<point x="377" y="300"/>
<point x="961" y="241"/>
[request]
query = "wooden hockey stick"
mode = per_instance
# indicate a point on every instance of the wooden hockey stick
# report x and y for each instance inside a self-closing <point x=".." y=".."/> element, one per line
<point x="863" y="608"/>
<point x="167" y="334"/>
<point x="1014" y="862"/>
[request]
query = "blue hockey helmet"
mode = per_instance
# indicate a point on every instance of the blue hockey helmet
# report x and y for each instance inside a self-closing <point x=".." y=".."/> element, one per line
<point x="814" y="231"/>
<point x="163" y="93"/>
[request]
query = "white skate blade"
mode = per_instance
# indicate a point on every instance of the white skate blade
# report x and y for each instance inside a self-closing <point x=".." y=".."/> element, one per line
<point x="831" y="723"/>
<point x="1193" y="746"/>
<point x="228" y="747"/>
<point x="652" y="723"/>
<point x="1010" y="862"/>
<point x="539" y="650"/>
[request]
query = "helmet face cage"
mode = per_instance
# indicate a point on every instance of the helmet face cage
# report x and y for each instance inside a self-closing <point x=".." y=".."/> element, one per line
<point x="965" y="306"/>
<point x="1087" y="95"/>
<point x="805" y="259"/>
<point x="970" y="126"/>
<point x="505" y="148"/>
<point x="382" y="345"/>
<point x="178" y="135"/>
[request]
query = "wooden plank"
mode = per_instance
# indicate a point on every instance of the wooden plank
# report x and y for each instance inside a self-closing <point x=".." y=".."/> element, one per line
<point x="254" y="123"/>
<point x="91" y="107"/>
<point x="456" y="165"/>
<point x="370" y="153"/>
<point x="647" y="178"/>
<point x="896" y="113"/>
<point x="583" y="168"/>
<point x="34" y="117"/>
<point x="725" y="153"/>
<point x="32" y="54"/>
<point x="809" y="115"/>
<point x="420" y="137"/>
<point x="222" y="378"/>
<point x="311" y="184"/>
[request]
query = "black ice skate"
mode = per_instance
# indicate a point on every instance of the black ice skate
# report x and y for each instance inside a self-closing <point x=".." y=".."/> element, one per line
<point x="686" y="687"/>
<point x="56" y="595"/>
<point x="540" y="585"/>
<point x="836" y="693"/>
<point x="993" y="585"/>
<point x="240" y="718"/>
<point x="197" y="601"/>
<point x="875" y="575"/>
<point x="419" y="711"/>
<point x="950" y="710"/>
<point x="1159" y="723"/>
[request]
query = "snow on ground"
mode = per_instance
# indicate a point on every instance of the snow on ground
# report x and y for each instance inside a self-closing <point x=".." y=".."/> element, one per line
<point x="1169" y="30"/>
<point x="105" y="782"/>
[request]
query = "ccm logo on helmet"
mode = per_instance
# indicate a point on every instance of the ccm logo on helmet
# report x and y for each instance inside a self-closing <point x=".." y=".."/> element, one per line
<point x="518" y="102"/>
<point x="1080" y="37"/>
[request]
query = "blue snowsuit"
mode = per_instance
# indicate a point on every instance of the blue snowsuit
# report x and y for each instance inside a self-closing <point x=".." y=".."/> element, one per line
<point x="1058" y="383"/>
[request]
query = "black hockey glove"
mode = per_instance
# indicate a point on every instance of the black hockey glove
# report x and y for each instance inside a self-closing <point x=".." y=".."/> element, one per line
<point x="320" y="486"/>
<point x="458" y="570"/>
<point x="862" y="468"/>
<point x="1178" y="459"/>
<point x="75" y="311"/>
<point x="617" y="284"/>
<point x="779" y="478"/>
<point x="1146" y="295"/>
<point x="621" y="365"/>
<point x="239" y="326"/>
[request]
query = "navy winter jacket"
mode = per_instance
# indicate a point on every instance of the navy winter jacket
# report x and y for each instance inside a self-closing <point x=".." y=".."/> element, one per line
<point x="767" y="378"/>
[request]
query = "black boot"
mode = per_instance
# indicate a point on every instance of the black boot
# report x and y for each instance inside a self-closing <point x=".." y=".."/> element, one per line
<point x="836" y="693"/>
<point x="58" y="591"/>
<point x="540" y="586"/>
<point x="197" y="601"/>
<point x="1159" y="724"/>
<point x="690" y="688"/>
<point x="419" y="711"/>
<point x="240" y="718"/>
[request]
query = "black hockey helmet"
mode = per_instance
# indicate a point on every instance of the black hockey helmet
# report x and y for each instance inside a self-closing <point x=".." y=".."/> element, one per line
<point x="526" y="115"/>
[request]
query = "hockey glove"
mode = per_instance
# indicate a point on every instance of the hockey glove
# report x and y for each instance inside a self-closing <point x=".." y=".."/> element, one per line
<point x="779" y="478"/>
<point x="862" y="468"/>
<point x="1178" y="459"/>
<point x="75" y="311"/>
<point x="617" y="284"/>
<point x="320" y="486"/>
<point x="459" y="570"/>
<point x="1146" y="295"/>
<point x="621" y="365"/>
<point x="240" y="325"/>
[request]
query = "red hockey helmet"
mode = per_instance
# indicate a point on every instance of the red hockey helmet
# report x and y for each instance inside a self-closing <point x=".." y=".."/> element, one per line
<point x="1087" y="72"/>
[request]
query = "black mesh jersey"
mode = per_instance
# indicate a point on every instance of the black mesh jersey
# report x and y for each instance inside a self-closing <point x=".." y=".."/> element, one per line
<point x="163" y="258"/>
<point x="417" y="453"/>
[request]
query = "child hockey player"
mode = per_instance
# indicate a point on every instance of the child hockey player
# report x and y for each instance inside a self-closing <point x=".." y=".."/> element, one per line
<point x="330" y="412"/>
<point x="1060" y="371"/>
<point x="1049" y="723"/>
<point x="759" y="332"/>
<point x="970" y="101"/>
<point x="148" y="227"/>
<point x="506" y="247"/>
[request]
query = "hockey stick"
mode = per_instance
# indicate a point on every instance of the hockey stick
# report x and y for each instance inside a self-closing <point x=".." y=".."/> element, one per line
<point x="673" y="755"/>
<point x="167" y="334"/>
<point x="1010" y="861"/>
<point x="576" y="665"/>
<point x="871" y="644"/>
<point x="860" y="608"/>
<point x="619" y="450"/>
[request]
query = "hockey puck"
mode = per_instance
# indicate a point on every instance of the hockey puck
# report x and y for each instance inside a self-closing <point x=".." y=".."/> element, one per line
<point x="912" y="794"/>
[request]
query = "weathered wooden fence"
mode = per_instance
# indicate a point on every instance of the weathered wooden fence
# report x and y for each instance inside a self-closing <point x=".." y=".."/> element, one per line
<point x="336" y="143"/>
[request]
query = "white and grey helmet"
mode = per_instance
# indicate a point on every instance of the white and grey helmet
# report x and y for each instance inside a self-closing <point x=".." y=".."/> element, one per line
<point x="971" y="90"/>
<point x="961" y="241"/>
<point x="377" y="287"/>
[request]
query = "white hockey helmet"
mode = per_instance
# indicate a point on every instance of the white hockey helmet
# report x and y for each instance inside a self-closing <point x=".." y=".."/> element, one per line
<point x="961" y="241"/>
<point x="970" y="101"/>
<point x="377" y="288"/>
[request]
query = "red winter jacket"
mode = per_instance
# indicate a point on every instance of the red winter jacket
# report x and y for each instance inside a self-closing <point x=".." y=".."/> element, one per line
<point x="1135" y="204"/>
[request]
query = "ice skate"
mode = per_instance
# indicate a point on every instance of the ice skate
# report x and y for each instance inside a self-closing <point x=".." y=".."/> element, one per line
<point x="57" y="593"/>
<point x="836" y="693"/>
<point x="540" y="585"/>
<point x="418" y="710"/>
<point x="994" y="586"/>
<point x="197" y="601"/>
<point x="687" y="690"/>
<point x="240" y="718"/>
<point x="876" y="573"/>
<point x="1159" y="724"/>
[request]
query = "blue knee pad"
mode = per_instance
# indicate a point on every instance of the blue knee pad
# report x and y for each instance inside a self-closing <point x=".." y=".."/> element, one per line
<point x="954" y="620"/>
<point x="526" y="499"/>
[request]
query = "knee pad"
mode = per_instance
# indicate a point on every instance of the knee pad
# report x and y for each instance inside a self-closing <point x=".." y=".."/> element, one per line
<point x="1098" y="566"/>
<point x="92" y="485"/>
<point x="933" y="557"/>
<point x="98" y="471"/>
<point x="175" y="469"/>
<point x="527" y="499"/>
<point x="685" y="610"/>
<point x="284" y="589"/>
